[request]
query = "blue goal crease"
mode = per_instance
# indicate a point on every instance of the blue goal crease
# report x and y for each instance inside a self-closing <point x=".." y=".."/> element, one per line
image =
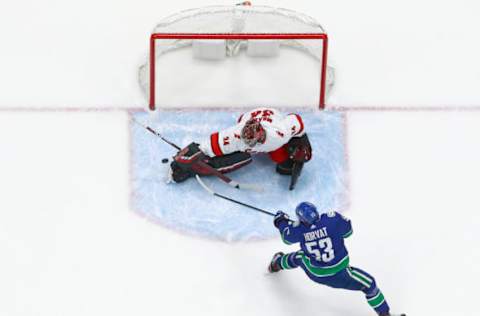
<point x="187" y="207"/>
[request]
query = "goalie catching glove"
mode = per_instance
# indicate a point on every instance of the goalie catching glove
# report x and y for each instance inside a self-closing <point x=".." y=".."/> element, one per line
<point x="299" y="149"/>
<point x="185" y="163"/>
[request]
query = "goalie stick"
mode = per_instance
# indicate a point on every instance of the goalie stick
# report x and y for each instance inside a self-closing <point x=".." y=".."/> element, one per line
<point x="204" y="165"/>
<point x="296" y="171"/>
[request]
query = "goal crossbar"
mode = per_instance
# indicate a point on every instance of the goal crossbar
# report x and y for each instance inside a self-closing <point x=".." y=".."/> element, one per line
<point x="239" y="36"/>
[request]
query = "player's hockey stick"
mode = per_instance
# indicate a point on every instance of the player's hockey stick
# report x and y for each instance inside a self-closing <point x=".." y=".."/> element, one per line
<point x="204" y="165"/>
<point x="230" y="199"/>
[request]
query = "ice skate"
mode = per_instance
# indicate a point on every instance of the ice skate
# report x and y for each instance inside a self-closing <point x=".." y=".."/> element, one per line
<point x="273" y="266"/>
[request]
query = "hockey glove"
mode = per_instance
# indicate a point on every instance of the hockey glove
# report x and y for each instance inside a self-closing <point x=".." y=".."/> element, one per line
<point x="184" y="164"/>
<point x="299" y="149"/>
<point x="280" y="217"/>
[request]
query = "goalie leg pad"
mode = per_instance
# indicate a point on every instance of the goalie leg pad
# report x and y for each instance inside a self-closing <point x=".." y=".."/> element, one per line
<point x="230" y="162"/>
<point x="182" y="171"/>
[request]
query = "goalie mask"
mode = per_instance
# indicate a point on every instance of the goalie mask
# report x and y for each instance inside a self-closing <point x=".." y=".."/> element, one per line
<point x="253" y="133"/>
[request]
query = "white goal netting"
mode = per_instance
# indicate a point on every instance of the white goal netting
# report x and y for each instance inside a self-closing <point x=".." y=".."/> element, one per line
<point x="259" y="31"/>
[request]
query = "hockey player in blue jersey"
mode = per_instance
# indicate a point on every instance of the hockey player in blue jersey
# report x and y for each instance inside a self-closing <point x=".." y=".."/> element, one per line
<point x="323" y="255"/>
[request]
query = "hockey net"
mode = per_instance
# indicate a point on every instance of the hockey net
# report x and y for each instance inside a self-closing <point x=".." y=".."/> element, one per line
<point x="219" y="33"/>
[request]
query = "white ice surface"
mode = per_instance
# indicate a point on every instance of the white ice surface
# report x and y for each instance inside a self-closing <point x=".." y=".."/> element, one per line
<point x="70" y="244"/>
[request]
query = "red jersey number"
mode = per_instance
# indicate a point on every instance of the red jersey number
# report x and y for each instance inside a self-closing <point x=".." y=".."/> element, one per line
<point x="263" y="115"/>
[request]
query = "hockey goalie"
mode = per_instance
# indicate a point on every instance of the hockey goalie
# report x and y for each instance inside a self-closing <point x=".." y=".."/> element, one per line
<point x="262" y="130"/>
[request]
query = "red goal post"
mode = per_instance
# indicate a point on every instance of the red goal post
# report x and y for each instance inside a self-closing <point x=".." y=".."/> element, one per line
<point x="239" y="36"/>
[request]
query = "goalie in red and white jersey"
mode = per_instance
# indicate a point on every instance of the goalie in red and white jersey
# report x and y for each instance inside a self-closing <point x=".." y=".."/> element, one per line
<point x="262" y="130"/>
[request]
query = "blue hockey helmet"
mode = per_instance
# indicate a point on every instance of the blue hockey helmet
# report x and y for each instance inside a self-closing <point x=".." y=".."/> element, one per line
<point x="307" y="213"/>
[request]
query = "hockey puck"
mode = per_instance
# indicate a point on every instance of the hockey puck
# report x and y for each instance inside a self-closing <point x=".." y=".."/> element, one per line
<point x="164" y="160"/>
